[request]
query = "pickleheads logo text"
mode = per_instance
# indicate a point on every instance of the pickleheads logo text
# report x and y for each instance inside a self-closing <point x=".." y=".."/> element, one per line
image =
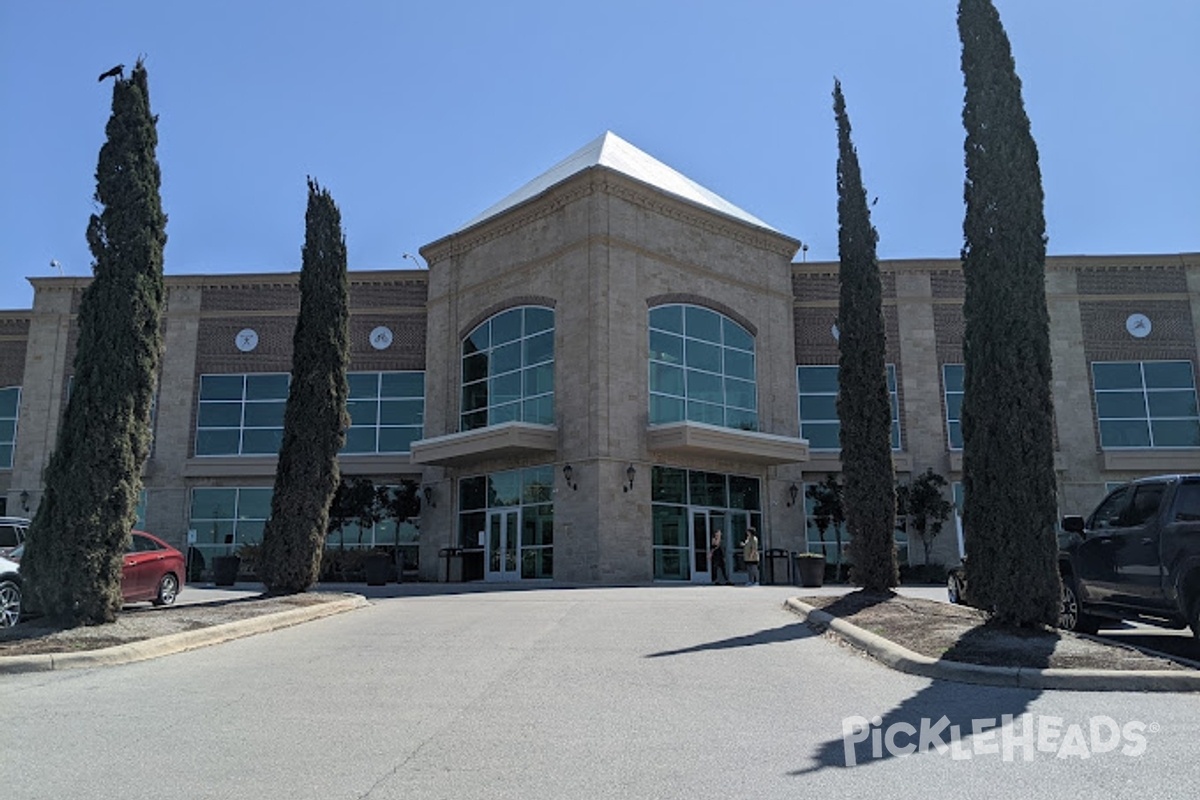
<point x="1010" y="737"/>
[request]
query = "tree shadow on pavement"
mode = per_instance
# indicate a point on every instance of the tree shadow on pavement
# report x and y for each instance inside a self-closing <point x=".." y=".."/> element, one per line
<point x="941" y="719"/>
<point x="786" y="633"/>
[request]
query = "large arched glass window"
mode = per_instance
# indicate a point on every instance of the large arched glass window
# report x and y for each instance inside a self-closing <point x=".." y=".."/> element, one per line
<point x="508" y="369"/>
<point x="701" y="368"/>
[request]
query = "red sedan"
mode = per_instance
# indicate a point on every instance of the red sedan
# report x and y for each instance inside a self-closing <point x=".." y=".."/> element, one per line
<point x="152" y="570"/>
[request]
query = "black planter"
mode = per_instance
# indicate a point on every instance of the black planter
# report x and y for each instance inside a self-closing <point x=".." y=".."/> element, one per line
<point x="225" y="570"/>
<point x="810" y="569"/>
<point x="376" y="567"/>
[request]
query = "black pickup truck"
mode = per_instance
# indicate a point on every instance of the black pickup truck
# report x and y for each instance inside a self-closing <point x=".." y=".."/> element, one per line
<point x="1136" y="557"/>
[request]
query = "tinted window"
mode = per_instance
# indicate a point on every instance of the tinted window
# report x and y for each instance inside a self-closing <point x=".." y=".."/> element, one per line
<point x="142" y="544"/>
<point x="9" y="536"/>
<point x="1187" y="503"/>
<point x="1108" y="515"/>
<point x="1146" y="499"/>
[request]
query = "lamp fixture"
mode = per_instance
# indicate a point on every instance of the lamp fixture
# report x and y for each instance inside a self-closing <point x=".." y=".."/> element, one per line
<point x="428" y="491"/>
<point x="568" y="473"/>
<point x="629" y="473"/>
<point x="25" y="499"/>
<point x="793" y="490"/>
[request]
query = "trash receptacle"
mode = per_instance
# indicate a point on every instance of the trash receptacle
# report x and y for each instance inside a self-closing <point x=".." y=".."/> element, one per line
<point x="776" y="567"/>
<point x="809" y="569"/>
<point x="452" y="564"/>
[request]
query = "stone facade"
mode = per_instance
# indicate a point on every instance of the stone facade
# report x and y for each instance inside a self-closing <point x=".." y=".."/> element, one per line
<point x="602" y="249"/>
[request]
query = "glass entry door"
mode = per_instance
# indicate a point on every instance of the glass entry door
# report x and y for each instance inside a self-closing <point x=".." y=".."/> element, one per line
<point x="705" y="523"/>
<point x="503" y="530"/>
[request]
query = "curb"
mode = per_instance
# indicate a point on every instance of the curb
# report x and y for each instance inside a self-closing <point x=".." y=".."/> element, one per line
<point x="178" y="642"/>
<point x="1079" y="680"/>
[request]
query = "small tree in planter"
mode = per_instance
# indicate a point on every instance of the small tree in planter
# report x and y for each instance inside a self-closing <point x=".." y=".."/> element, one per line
<point x="922" y="502"/>
<point x="828" y="511"/>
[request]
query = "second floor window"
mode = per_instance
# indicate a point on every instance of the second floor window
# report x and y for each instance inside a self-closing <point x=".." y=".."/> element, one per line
<point x="508" y="369"/>
<point x="952" y="384"/>
<point x="387" y="411"/>
<point x="819" y="422"/>
<point x="701" y="368"/>
<point x="241" y="415"/>
<point x="1143" y="404"/>
<point x="10" y="401"/>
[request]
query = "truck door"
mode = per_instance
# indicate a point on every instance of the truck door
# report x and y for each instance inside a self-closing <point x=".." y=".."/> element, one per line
<point x="1180" y="537"/>
<point x="1095" y="565"/>
<point x="1135" y="548"/>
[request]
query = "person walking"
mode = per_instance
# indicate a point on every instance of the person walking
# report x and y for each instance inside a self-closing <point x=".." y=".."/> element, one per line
<point x="750" y="556"/>
<point x="717" y="558"/>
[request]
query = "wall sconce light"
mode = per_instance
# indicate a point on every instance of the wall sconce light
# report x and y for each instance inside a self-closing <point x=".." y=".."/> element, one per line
<point x="793" y="490"/>
<point x="568" y="472"/>
<point x="429" y="497"/>
<point x="629" y="473"/>
<point x="25" y="499"/>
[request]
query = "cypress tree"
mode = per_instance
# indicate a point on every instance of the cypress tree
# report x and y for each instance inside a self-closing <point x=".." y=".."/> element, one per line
<point x="1009" y="514"/>
<point x="864" y="406"/>
<point x="77" y="541"/>
<point x="315" y="419"/>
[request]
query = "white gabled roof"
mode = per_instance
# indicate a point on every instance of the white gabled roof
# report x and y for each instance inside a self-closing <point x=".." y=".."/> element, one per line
<point x="615" y="153"/>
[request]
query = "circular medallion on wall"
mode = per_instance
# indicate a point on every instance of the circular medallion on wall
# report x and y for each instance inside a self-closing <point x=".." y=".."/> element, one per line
<point x="381" y="338"/>
<point x="246" y="339"/>
<point x="1138" y="326"/>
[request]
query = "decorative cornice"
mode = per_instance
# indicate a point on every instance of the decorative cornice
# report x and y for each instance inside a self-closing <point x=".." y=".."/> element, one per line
<point x="1155" y="262"/>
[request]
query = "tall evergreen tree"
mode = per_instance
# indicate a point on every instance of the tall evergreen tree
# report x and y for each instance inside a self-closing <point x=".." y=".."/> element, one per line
<point x="72" y="564"/>
<point x="1009" y="514"/>
<point x="864" y="406"/>
<point x="315" y="420"/>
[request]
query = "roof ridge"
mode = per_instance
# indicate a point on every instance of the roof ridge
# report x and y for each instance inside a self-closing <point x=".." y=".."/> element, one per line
<point x="612" y="152"/>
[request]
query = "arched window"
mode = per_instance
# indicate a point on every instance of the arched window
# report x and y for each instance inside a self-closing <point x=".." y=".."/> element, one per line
<point x="508" y="369"/>
<point x="701" y="368"/>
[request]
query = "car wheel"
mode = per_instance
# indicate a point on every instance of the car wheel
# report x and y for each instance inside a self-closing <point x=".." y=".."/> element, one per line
<point x="1194" y="617"/>
<point x="954" y="588"/>
<point x="168" y="590"/>
<point x="1070" y="616"/>
<point x="10" y="604"/>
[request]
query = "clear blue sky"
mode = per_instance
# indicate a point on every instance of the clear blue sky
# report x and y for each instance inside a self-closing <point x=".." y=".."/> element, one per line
<point x="419" y="115"/>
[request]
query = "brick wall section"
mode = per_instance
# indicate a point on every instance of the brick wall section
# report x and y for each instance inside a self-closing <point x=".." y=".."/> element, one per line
<point x="1133" y="281"/>
<point x="14" y="338"/>
<point x="252" y="298"/>
<point x="1106" y="339"/>
<point x="949" y="327"/>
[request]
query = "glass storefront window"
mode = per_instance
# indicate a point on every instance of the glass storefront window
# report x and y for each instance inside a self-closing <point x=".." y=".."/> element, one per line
<point x="710" y="500"/>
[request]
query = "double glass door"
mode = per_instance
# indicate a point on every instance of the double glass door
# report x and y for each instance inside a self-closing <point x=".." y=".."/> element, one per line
<point x="705" y="525"/>
<point x="503" y="561"/>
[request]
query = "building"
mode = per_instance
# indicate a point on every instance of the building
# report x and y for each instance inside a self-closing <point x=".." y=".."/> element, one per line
<point x="597" y="374"/>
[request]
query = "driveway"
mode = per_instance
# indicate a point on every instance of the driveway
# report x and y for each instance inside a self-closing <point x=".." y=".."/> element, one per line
<point x="532" y="693"/>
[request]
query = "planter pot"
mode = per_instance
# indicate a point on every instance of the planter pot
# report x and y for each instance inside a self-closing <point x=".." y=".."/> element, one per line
<point x="810" y="570"/>
<point x="225" y="570"/>
<point x="376" y="567"/>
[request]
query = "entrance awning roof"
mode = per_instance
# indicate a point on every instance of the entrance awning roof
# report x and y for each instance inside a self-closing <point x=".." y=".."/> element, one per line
<point x="696" y="438"/>
<point x="506" y="439"/>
